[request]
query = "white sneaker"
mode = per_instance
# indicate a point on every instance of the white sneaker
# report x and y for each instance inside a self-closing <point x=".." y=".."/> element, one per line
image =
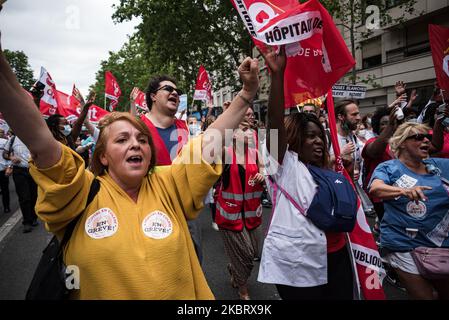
<point x="215" y="226"/>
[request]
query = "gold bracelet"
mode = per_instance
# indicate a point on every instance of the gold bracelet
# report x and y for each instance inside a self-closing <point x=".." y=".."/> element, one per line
<point x="244" y="99"/>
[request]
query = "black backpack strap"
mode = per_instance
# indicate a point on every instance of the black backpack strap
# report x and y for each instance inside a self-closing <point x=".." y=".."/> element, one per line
<point x="94" y="188"/>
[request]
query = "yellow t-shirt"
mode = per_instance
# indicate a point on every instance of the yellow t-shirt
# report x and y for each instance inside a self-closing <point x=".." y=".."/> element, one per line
<point x="123" y="249"/>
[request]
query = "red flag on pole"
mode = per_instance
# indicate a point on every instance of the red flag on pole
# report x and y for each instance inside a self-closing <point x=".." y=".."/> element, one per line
<point x="141" y="102"/>
<point x="317" y="56"/>
<point x="368" y="264"/>
<point x="203" y="87"/>
<point x="49" y="103"/>
<point x="439" y="44"/>
<point x="112" y="90"/>
<point x="72" y="108"/>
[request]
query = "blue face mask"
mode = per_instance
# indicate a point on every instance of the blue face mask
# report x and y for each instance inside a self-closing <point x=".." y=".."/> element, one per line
<point x="66" y="131"/>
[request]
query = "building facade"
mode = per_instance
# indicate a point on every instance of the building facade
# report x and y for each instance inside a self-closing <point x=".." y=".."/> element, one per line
<point x="399" y="53"/>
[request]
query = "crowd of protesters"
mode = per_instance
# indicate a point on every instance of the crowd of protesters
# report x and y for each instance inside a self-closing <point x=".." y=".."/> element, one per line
<point x="142" y="229"/>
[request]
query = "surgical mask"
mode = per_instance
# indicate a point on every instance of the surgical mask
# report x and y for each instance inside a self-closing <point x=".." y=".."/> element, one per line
<point x="362" y="133"/>
<point x="66" y="131"/>
<point x="194" y="128"/>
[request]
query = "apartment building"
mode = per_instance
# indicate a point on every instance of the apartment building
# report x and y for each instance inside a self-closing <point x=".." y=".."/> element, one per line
<point x="399" y="53"/>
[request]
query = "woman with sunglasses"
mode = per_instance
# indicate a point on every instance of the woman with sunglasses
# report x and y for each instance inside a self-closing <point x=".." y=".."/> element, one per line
<point x="131" y="242"/>
<point x="416" y="203"/>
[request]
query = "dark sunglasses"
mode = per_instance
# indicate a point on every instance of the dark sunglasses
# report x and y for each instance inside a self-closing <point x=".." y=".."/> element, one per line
<point x="420" y="136"/>
<point x="169" y="89"/>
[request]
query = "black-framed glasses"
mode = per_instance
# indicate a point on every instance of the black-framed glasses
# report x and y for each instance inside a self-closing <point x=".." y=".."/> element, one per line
<point x="420" y="136"/>
<point x="170" y="89"/>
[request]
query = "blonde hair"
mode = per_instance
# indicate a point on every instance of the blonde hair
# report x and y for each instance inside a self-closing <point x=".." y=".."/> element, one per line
<point x="404" y="131"/>
<point x="96" y="165"/>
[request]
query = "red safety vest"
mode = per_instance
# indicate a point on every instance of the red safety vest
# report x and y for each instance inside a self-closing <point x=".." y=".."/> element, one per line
<point x="236" y="208"/>
<point x="162" y="153"/>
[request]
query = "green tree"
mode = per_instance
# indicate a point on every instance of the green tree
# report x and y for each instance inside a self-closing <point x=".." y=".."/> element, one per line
<point x="18" y="61"/>
<point x="130" y="67"/>
<point x="182" y="35"/>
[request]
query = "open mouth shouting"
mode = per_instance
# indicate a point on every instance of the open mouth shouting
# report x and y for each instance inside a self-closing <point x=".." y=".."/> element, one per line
<point x="135" y="160"/>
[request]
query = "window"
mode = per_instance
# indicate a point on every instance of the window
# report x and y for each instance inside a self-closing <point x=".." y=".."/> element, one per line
<point x="415" y="40"/>
<point x="372" y="53"/>
<point x="393" y="3"/>
<point x="372" y="61"/>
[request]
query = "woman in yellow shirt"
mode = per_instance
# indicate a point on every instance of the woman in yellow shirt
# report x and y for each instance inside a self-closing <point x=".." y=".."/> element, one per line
<point x="131" y="241"/>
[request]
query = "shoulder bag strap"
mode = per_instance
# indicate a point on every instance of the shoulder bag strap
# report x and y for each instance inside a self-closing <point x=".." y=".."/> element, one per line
<point x="288" y="196"/>
<point x="11" y="142"/>
<point x="94" y="188"/>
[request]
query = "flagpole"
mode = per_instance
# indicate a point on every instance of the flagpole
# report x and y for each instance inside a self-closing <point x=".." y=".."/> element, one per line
<point x="104" y="102"/>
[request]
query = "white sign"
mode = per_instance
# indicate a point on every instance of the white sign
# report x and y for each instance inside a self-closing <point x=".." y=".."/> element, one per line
<point x="182" y="102"/>
<point x="348" y="91"/>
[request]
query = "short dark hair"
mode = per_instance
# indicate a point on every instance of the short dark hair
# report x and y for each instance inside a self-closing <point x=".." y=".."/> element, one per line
<point x="153" y="85"/>
<point x="340" y="108"/>
<point x="379" y="114"/>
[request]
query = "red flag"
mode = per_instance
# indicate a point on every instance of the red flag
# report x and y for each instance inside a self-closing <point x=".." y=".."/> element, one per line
<point x="203" y="87"/>
<point x="49" y="103"/>
<point x="112" y="89"/>
<point x="370" y="271"/>
<point x="141" y="102"/>
<point x="72" y="109"/>
<point x="317" y="56"/>
<point x="439" y="43"/>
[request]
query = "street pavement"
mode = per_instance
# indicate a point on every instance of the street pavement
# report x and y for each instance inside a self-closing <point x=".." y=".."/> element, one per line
<point x="20" y="253"/>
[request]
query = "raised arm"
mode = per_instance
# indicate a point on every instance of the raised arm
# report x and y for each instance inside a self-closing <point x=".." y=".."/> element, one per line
<point x="132" y="101"/>
<point x="214" y="136"/>
<point x="276" y="62"/>
<point x="438" y="133"/>
<point x="25" y="119"/>
<point x="82" y="117"/>
<point x="376" y="148"/>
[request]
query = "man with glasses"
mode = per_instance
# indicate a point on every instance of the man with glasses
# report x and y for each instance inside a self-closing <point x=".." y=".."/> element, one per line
<point x="169" y="134"/>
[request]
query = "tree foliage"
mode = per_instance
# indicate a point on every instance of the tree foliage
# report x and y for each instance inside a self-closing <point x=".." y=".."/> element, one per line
<point x="181" y="35"/>
<point x="18" y="61"/>
<point x="130" y="67"/>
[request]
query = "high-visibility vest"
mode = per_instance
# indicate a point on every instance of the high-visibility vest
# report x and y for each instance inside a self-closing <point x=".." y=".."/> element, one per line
<point x="236" y="208"/>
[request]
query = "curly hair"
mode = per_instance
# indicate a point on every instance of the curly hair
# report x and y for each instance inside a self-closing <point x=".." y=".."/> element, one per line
<point x="296" y="126"/>
<point x="153" y="85"/>
<point x="403" y="132"/>
<point x="377" y="116"/>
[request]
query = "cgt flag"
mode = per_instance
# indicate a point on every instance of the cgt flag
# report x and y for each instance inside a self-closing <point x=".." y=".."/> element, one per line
<point x="317" y="56"/>
<point x="112" y="90"/>
<point x="439" y="43"/>
<point x="72" y="108"/>
<point x="49" y="103"/>
<point x="203" y="87"/>
<point x="141" y="102"/>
